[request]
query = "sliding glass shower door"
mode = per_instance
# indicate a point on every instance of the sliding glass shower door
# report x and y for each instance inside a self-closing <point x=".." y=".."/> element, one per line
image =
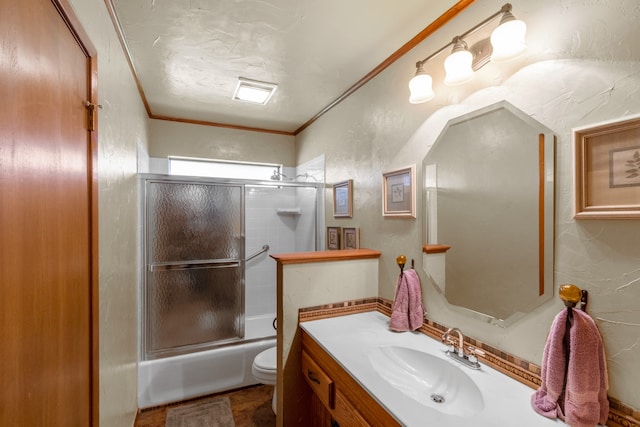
<point x="194" y="255"/>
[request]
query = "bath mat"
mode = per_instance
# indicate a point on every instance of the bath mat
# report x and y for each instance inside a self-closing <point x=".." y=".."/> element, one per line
<point x="212" y="412"/>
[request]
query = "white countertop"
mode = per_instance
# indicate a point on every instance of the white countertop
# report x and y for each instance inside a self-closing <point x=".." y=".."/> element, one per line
<point x="350" y="339"/>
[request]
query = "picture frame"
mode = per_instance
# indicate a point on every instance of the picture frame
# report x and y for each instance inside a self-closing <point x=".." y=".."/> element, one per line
<point x="343" y="199"/>
<point x="333" y="238"/>
<point x="399" y="193"/>
<point x="607" y="170"/>
<point x="351" y="238"/>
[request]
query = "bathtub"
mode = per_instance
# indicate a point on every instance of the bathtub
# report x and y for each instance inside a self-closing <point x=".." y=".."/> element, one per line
<point x="177" y="378"/>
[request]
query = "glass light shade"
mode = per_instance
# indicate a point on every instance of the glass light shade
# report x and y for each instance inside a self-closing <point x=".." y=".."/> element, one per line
<point x="507" y="39"/>
<point x="253" y="91"/>
<point x="458" y="65"/>
<point x="421" y="87"/>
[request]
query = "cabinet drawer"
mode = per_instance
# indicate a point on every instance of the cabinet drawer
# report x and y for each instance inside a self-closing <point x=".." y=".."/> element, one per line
<point x="346" y="414"/>
<point x="319" y="381"/>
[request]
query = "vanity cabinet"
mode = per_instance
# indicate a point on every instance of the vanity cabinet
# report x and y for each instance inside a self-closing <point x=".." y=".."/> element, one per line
<point x="344" y="401"/>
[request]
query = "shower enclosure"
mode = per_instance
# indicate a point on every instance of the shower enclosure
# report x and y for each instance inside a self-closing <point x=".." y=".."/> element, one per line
<point x="195" y="274"/>
<point x="208" y="284"/>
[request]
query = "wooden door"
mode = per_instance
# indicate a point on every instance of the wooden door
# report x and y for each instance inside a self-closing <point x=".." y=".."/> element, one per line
<point x="47" y="219"/>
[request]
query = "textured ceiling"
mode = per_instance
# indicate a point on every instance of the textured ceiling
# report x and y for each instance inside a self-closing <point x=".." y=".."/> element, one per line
<point x="188" y="54"/>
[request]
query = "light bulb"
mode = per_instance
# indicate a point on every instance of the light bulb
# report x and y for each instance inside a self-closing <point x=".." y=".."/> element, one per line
<point x="421" y="87"/>
<point x="458" y="64"/>
<point x="507" y="39"/>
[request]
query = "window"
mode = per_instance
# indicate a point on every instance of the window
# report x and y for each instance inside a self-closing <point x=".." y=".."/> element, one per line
<point x="224" y="169"/>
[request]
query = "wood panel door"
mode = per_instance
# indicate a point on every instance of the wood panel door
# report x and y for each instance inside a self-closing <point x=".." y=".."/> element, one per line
<point x="47" y="219"/>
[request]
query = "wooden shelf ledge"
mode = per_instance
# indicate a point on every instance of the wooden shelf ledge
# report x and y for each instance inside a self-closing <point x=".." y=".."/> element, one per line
<point x="324" y="256"/>
<point x="435" y="249"/>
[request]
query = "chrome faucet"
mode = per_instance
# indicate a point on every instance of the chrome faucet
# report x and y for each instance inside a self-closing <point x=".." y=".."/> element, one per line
<point x="458" y="354"/>
<point x="445" y="339"/>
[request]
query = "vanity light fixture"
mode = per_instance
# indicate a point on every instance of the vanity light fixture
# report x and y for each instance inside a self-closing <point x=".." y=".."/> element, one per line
<point x="254" y="91"/>
<point x="421" y="87"/>
<point x="508" y="38"/>
<point x="458" y="64"/>
<point x="506" y="42"/>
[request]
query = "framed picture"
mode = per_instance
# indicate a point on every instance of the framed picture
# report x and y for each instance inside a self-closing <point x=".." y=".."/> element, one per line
<point x="607" y="170"/>
<point x="343" y="199"/>
<point x="333" y="238"/>
<point x="399" y="193"/>
<point x="350" y="238"/>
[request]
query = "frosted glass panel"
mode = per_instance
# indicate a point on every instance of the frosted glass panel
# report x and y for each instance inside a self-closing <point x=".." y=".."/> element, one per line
<point x="194" y="286"/>
<point x="193" y="221"/>
<point x="194" y="306"/>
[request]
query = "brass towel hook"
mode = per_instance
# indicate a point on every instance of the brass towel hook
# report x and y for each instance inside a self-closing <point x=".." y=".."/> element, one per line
<point x="571" y="295"/>
<point x="401" y="260"/>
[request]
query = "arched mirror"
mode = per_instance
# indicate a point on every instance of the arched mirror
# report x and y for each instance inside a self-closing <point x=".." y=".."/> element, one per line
<point x="489" y="213"/>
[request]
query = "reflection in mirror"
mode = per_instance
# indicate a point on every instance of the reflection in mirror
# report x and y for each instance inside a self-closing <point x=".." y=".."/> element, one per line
<point x="489" y="219"/>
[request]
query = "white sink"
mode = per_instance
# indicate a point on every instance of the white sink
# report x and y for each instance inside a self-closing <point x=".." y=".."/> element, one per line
<point x="403" y="370"/>
<point x="431" y="381"/>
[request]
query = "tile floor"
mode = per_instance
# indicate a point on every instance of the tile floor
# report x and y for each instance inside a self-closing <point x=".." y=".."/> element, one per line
<point x="251" y="407"/>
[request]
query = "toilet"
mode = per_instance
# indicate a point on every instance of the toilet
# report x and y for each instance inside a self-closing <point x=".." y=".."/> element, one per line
<point x="264" y="370"/>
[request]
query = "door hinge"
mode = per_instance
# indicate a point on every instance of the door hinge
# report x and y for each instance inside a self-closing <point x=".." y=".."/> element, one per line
<point x="91" y="115"/>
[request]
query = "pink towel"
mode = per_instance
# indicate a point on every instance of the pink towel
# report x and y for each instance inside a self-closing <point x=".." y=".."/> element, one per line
<point x="583" y="400"/>
<point x="407" y="311"/>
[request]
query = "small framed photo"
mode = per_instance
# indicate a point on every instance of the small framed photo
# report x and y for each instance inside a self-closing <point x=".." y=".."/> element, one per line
<point x="399" y="193"/>
<point x="333" y="238"/>
<point x="350" y="238"/>
<point x="607" y="170"/>
<point x="343" y="199"/>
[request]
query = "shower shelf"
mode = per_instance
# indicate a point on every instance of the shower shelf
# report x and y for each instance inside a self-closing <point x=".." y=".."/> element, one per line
<point x="289" y="211"/>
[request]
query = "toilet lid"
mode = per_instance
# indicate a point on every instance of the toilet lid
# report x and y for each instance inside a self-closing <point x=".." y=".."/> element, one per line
<point x="266" y="359"/>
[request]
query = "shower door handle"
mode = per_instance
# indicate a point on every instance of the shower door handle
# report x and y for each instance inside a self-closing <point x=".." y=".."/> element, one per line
<point x="195" y="264"/>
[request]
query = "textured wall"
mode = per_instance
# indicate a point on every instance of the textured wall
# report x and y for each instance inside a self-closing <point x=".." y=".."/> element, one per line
<point x="582" y="67"/>
<point x="122" y="132"/>
<point x="188" y="140"/>
<point x="342" y="280"/>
